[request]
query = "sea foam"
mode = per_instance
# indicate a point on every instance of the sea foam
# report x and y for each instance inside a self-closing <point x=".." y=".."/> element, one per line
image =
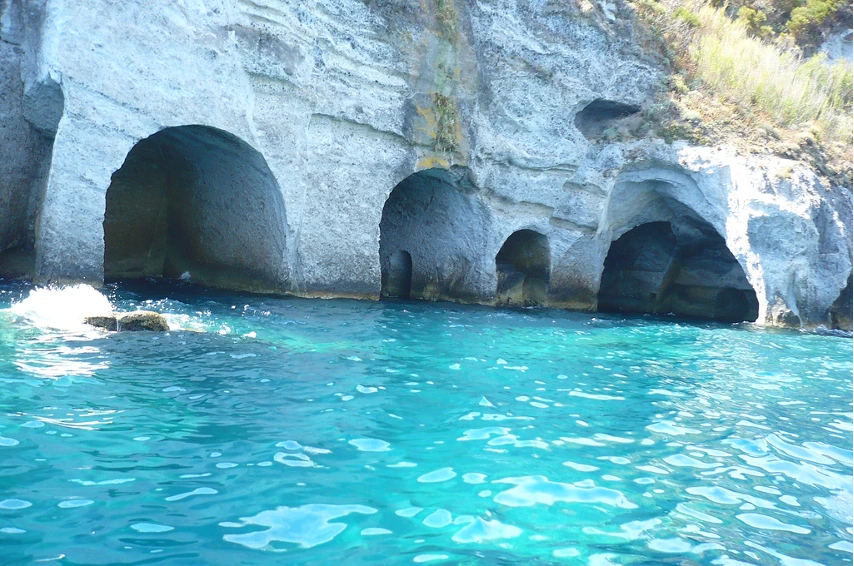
<point x="62" y="308"/>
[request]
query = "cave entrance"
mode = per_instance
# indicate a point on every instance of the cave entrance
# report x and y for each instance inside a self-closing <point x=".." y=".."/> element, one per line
<point x="684" y="268"/>
<point x="197" y="203"/>
<point x="431" y="238"/>
<point x="398" y="277"/>
<point x="600" y="115"/>
<point x="840" y="311"/>
<point x="523" y="265"/>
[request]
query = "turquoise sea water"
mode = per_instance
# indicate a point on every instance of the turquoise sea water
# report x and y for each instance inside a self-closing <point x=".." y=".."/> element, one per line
<point x="265" y="430"/>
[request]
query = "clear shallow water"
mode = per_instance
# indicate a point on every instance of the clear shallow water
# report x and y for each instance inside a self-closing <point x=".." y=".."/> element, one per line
<point x="313" y="432"/>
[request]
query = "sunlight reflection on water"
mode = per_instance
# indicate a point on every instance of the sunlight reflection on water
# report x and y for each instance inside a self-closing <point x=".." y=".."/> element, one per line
<point x="421" y="433"/>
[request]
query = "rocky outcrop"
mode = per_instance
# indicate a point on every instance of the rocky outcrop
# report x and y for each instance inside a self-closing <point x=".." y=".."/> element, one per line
<point x="130" y="322"/>
<point x="357" y="148"/>
<point x="142" y="320"/>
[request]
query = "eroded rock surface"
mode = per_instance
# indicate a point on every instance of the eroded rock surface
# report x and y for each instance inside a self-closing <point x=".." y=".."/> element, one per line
<point x="523" y="265"/>
<point x="490" y="118"/>
<point x="682" y="268"/>
<point x="31" y="105"/>
<point x="436" y="220"/>
<point x="840" y="311"/>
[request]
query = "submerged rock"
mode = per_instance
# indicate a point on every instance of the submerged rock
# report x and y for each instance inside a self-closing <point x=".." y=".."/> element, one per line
<point x="135" y="321"/>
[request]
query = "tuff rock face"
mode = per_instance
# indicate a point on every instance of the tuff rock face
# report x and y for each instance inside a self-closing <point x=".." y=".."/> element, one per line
<point x="356" y="148"/>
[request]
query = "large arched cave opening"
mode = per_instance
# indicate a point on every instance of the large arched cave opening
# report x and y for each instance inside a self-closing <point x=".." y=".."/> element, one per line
<point x="666" y="256"/>
<point x="662" y="268"/>
<point x="196" y="202"/>
<point x="431" y="238"/>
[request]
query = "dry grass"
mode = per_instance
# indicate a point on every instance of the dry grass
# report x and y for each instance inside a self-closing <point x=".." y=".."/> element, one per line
<point x="730" y="87"/>
<point x="789" y="90"/>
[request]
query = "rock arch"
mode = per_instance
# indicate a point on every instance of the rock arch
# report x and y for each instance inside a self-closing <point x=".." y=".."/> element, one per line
<point x="196" y="202"/>
<point x="432" y="234"/>
<point x="667" y="254"/>
<point x="523" y="266"/>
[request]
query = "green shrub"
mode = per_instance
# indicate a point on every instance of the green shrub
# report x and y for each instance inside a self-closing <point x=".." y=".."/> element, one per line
<point x="653" y="7"/>
<point x="687" y="16"/>
<point x="805" y="21"/>
<point x="677" y="84"/>
<point x="755" y="20"/>
<point x="447" y="16"/>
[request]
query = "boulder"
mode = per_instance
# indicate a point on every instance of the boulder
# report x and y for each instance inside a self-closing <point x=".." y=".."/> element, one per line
<point x="143" y="320"/>
<point x="140" y="320"/>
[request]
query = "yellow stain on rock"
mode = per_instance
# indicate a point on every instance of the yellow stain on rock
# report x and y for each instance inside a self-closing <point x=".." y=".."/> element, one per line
<point x="432" y="162"/>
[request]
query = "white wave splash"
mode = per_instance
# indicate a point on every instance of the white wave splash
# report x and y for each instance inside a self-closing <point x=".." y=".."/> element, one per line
<point x="62" y="308"/>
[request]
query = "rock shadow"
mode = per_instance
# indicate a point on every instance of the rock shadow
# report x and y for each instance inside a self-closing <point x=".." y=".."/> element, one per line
<point x="840" y="312"/>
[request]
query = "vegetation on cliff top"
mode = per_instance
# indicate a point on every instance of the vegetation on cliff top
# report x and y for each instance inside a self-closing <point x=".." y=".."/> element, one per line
<point x="740" y="76"/>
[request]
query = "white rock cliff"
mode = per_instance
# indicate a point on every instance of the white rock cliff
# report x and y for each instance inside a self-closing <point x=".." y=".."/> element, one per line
<point x="254" y="144"/>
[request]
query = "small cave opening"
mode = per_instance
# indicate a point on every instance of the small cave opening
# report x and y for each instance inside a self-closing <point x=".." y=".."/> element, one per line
<point x="685" y="269"/>
<point x="431" y="235"/>
<point x="523" y="265"/>
<point x="397" y="279"/>
<point x="601" y="114"/>
<point x="840" y="312"/>
<point x="196" y="203"/>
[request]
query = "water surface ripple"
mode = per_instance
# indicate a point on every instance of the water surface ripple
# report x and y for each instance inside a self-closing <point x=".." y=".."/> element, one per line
<point x="420" y="433"/>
